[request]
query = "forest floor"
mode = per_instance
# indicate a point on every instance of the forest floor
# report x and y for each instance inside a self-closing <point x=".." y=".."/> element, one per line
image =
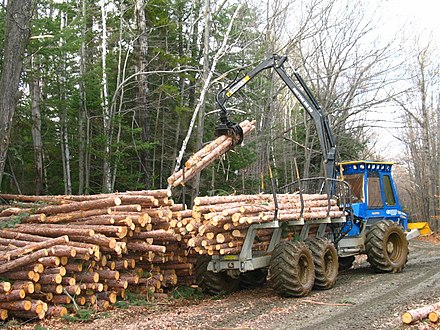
<point x="361" y="299"/>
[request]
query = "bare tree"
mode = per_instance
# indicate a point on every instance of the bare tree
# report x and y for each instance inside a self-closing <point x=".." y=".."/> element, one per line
<point x="421" y="106"/>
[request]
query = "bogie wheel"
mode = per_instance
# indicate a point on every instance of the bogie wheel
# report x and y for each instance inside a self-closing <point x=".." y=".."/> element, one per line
<point x="386" y="247"/>
<point x="345" y="263"/>
<point x="253" y="279"/>
<point x="213" y="283"/>
<point x="325" y="258"/>
<point x="292" y="271"/>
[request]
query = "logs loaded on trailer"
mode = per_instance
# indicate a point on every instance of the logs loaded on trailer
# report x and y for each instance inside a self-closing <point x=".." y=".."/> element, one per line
<point x="221" y="222"/>
<point x="89" y="249"/>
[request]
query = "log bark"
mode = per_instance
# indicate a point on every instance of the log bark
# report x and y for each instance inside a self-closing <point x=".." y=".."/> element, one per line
<point x="22" y="261"/>
<point x="53" y="230"/>
<point x="33" y="247"/>
<point x="5" y="287"/>
<point x="13" y="295"/>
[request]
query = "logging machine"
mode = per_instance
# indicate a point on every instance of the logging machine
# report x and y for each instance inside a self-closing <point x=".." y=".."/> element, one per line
<point x="373" y="222"/>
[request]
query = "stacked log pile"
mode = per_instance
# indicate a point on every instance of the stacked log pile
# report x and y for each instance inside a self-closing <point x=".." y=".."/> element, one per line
<point x="89" y="249"/>
<point x="220" y="223"/>
<point x="207" y="155"/>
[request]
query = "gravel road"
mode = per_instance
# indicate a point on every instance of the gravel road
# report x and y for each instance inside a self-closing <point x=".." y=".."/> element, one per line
<point x="361" y="299"/>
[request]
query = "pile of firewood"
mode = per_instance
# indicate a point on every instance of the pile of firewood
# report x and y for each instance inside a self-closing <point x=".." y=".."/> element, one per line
<point x="207" y="155"/>
<point x="89" y="249"/>
<point x="220" y="223"/>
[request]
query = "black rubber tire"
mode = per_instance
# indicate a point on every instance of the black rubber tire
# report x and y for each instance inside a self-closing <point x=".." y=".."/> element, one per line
<point x="213" y="283"/>
<point x="253" y="279"/>
<point x="292" y="272"/>
<point x="345" y="263"/>
<point x="325" y="258"/>
<point x="386" y="247"/>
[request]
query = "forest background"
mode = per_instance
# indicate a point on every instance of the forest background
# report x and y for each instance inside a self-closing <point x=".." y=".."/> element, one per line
<point x="113" y="95"/>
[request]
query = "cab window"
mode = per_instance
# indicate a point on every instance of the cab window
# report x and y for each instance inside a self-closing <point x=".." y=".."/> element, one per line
<point x="390" y="200"/>
<point x="356" y="182"/>
<point x="374" y="193"/>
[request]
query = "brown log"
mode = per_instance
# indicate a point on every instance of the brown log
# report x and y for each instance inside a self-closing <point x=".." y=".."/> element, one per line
<point x="158" y="193"/>
<point x="52" y="288"/>
<point x="31" y="198"/>
<point x="139" y="199"/>
<point x="62" y="251"/>
<point x="77" y="206"/>
<point x="107" y="295"/>
<point x="158" y="234"/>
<point x="87" y="277"/>
<point x="3" y="314"/>
<point x="119" y="283"/>
<point x="50" y="261"/>
<point x="19" y="305"/>
<point x="21" y="236"/>
<point x="107" y="274"/>
<point x="73" y="267"/>
<point x="30" y="315"/>
<point x="418" y="314"/>
<point x="124" y="208"/>
<point x="50" y="279"/>
<point x="72" y="289"/>
<point x="74" y="215"/>
<point x="61" y="299"/>
<point x="22" y="261"/>
<point x="13" y="295"/>
<point x="56" y="311"/>
<point x="27" y="286"/>
<point x="98" y="239"/>
<point x="92" y="286"/>
<point x="207" y="150"/>
<point x="5" y="287"/>
<point x="53" y="230"/>
<point x="68" y="280"/>
<point x="135" y="245"/>
<point x="61" y="270"/>
<point x="33" y="247"/>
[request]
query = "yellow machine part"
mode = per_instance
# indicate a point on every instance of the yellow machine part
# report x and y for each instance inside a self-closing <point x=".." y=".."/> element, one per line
<point x="423" y="227"/>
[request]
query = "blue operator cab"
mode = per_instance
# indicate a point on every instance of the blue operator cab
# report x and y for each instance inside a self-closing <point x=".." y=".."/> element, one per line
<point x="374" y="194"/>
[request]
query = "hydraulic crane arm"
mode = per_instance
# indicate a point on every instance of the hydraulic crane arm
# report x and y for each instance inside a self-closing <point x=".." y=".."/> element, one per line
<point x="304" y="97"/>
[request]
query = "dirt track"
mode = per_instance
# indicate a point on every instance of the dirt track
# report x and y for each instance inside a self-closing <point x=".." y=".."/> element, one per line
<point x="361" y="299"/>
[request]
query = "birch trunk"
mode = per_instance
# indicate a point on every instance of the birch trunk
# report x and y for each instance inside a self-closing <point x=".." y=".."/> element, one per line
<point x="106" y="113"/>
<point x="205" y="75"/>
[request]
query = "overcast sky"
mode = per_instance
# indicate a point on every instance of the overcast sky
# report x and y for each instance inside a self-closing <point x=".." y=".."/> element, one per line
<point x="418" y="18"/>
